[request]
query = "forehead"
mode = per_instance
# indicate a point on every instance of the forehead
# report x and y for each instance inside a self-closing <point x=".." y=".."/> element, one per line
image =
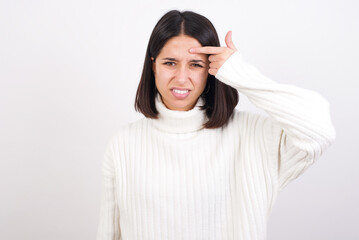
<point x="179" y="46"/>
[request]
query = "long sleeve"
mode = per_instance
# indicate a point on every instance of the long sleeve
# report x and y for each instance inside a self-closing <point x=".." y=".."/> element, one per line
<point x="108" y="228"/>
<point x="298" y="129"/>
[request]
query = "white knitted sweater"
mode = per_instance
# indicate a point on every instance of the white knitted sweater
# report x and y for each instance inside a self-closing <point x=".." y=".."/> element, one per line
<point x="172" y="179"/>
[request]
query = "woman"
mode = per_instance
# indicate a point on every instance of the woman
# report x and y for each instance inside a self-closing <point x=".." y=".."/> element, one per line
<point x="195" y="167"/>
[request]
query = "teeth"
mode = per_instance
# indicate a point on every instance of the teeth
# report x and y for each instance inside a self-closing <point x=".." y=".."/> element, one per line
<point x="180" y="91"/>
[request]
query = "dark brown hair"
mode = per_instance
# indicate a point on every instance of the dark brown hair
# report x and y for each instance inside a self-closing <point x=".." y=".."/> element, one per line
<point x="220" y="99"/>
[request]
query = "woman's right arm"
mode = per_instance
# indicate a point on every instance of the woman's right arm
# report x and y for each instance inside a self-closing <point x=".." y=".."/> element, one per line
<point x="109" y="227"/>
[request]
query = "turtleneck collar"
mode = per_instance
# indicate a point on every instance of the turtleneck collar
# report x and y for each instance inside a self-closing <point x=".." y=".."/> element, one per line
<point x="173" y="121"/>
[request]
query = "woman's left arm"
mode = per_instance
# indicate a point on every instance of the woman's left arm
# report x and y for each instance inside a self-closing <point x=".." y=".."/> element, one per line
<point x="299" y="118"/>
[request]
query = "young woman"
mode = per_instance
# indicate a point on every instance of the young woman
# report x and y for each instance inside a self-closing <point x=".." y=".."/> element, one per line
<point x="195" y="167"/>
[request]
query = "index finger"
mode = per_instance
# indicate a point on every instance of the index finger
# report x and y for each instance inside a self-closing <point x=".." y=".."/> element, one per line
<point x="206" y="50"/>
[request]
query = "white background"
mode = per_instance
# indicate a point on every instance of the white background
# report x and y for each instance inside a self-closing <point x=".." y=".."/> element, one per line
<point x="69" y="71"/>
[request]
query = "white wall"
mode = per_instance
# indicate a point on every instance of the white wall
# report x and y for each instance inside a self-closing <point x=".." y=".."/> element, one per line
<point x="68" y="76"/>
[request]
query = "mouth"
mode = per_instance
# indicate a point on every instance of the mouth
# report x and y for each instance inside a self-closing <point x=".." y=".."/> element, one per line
<point x="180" y="93"/>
<point x="180" y="90"/>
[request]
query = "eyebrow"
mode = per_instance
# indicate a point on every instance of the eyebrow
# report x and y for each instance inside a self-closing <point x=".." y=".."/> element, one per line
<point x="174" y="59"/>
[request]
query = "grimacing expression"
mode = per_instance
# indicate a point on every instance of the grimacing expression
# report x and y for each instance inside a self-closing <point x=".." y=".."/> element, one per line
<point x="180" y="76"/>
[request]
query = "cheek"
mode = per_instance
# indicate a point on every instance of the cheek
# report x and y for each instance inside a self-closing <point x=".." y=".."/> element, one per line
<point x="203" y="75"/>
<point x="163" y="78"/>
<point x="201" y="79"/>
<point x="164" y="74"/>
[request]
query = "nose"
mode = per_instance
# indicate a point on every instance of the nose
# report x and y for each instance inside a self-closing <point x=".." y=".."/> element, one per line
<point x="183" y="73"/>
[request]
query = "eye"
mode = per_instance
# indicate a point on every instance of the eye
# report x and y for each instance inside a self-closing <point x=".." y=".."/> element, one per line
<point x="168" y="63"/>
<point x="197" y="65"/>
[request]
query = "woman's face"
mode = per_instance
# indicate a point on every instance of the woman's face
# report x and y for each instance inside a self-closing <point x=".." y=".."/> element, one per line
<point x="180" y="76"/>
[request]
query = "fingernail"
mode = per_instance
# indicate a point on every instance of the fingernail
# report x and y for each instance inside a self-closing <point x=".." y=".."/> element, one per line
<point x="191" y="50"/>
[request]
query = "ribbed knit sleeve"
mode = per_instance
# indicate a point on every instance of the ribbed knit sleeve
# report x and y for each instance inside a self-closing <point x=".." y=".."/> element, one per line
<point x="108" y="228"/>
<point x="298" y="129"/>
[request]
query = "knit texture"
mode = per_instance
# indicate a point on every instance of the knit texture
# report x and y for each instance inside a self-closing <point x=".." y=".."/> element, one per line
<point x="170" y="178"/>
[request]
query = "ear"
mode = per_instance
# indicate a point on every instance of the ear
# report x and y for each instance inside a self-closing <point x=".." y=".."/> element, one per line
<point x="153" y="65"/>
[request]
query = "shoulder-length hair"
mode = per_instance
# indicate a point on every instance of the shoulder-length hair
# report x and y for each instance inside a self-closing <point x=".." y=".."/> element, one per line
<point x="220" y="99"/>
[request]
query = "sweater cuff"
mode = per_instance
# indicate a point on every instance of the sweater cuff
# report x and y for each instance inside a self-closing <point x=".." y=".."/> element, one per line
<point x="237" y="73"/>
